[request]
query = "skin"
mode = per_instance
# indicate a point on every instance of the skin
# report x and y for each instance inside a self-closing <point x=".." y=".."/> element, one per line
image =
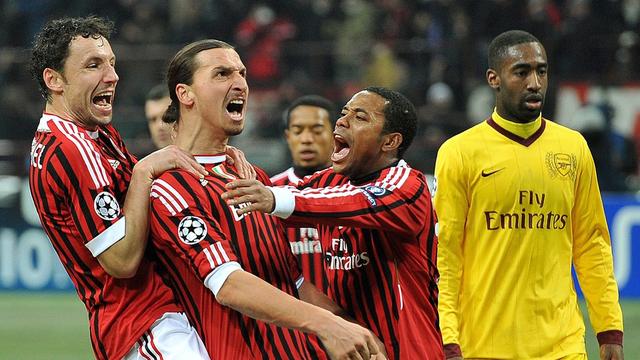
<point x="360" y="129"/>
<point x="520" y="82"/>
<point x="160" y="131"/>
<point x="204" y="127"/>
<point x="310" y="137"/>
<point x="89" y="70"/>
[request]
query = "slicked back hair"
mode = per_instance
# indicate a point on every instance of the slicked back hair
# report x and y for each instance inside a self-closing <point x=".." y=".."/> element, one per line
<point x="51" y="45"/>
<point x="181" y="70"/>
<point x="499" y="45"/>
<point x="399" y="116"/>
<point x="312" y="100"/>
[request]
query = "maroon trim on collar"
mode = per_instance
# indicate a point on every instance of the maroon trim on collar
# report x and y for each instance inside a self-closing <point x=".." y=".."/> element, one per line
<point x="522" y="141"/>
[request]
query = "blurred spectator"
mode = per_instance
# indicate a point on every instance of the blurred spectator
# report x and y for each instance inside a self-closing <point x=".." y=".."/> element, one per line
<point x="613" y="153"/>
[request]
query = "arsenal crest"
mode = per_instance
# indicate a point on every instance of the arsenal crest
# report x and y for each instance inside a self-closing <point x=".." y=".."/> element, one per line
<point x="562" y="165"/>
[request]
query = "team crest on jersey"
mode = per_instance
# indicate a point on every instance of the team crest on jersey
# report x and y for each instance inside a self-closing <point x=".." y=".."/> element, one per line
<point x="106" y="206"/>
<point x="220" y="171"/>
<point x="192" y="230"/>
<point x="562" y="165"/>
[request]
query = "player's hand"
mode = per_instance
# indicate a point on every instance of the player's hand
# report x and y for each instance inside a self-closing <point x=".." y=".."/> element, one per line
<point x="167" y="158"/>
<point x="254" y="194"/>
<point x="611" y="352"/>
<point x="236" y="156"/>
<point x="345" y="340"/>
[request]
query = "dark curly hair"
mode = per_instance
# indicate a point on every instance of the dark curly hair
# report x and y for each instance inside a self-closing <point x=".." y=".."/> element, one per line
<point x="51" y="45"/>
<point x="399" y="116"/>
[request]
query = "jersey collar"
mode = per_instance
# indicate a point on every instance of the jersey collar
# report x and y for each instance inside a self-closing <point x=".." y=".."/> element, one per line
<point x="524" y="134"/>
<point x="210" y="159"/>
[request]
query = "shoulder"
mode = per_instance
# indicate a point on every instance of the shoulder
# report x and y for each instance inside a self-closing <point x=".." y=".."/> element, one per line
<point x="281" y="178"/>
<point x="176" y="190"/>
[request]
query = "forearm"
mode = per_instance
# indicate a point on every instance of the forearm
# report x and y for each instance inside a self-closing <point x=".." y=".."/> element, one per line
<point x="122" y="259"/>
<point x="309" y="293"/>
<point x="241" y="289"/>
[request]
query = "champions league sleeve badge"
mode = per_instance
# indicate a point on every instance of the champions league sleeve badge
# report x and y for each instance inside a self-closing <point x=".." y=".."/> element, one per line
<point x="192" y="230"/>
<point x="106" y="206"/>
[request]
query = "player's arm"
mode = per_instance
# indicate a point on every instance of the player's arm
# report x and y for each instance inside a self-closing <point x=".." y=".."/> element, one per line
<point x="190" y="231"/>
<point x="122" y="258"/>
<point x="593" y="260"/>
<point x="400" y="209"/>
<point x="451" y="205"/>
<point x="341" y="338"/>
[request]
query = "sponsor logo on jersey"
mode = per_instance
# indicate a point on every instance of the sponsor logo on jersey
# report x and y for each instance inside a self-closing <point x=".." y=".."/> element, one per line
<point x="490" y="172"/>
<point x="562" y="165"/>
<point x="106" y="206"/>
<point x="192" y="230"/>
<point x="114" y="163"/>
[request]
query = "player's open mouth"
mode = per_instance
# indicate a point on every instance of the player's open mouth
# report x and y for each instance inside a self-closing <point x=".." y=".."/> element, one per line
<point x="103" y="100"/>
<point x="235" y="108"/>
<point x="340" y="148"/>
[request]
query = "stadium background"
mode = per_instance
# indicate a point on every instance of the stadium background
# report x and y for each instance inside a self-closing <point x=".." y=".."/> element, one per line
<point x="434" y="51"/>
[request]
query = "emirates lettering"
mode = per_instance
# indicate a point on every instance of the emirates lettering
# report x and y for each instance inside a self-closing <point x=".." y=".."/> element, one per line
<point x="305" y="247"/>
<point x="526" y="219"/>
<point x="347" y="262"/>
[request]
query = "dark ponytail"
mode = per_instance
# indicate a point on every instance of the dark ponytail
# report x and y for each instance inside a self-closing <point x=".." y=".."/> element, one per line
<point x="172" y="114"/>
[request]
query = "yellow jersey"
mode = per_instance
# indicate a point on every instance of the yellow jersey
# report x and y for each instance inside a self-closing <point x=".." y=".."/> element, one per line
<point x="517" y="204"/>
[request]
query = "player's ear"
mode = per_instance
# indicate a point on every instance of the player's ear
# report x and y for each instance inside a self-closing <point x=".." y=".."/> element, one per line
<point x="185" y="94"/>
<point x="493" y="79"/>
<point x="53" y="80"/>
<point x="391" y="142"/>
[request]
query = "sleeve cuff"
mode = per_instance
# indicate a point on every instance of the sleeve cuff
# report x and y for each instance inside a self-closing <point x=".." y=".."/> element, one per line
<point x="219" y="275"/>
<point x="108" y="237"/>
<point x="452" y="350"/>
<point x="610" y="337"/>
<point x="285" y="201"/>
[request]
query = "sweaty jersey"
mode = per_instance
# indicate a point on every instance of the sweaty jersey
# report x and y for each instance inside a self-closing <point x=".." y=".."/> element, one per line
<point x="304" y="241"/>
<point x="515" y="212"/>
<point x="78" y="180"/>
<point x="380" y="253"/>
<point x="200" y="239"/>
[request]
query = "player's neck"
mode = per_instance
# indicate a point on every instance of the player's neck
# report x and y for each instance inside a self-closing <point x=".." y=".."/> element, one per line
<point x="193" y="137"/>
<point x="58" y="108"/>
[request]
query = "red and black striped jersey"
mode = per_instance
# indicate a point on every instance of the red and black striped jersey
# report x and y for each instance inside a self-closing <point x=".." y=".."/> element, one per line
<point x="197" y="236"/>
<point x="304" y="241"/>
<point x="380" y="253"/>
<point x="78" y="180"/>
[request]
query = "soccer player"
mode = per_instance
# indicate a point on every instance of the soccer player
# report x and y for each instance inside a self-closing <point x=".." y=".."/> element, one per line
<point x="155" y="105"/>
<point x="518" y="203"/>
<point x="225" y="264"/>
<point x="375" y="222"/>
<point x="79" y="175"/>
<point x="309" y="124"/>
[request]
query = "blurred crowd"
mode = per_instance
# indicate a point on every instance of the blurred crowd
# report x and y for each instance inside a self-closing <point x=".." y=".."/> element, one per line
<point x="433" y="51"/>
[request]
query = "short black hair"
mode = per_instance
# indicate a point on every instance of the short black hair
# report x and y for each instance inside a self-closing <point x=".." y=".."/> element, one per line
<point x="312" y="100"/>
<point x="160" y="91"/>
<point x="51" y="45"/>
<point x="399" y="114"/>
<point x="181" y="70"/>
<point x="499" y="45"/>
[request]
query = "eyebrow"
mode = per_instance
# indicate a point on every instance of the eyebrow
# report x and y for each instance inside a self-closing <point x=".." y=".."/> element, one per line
<point x="524" y="65"/>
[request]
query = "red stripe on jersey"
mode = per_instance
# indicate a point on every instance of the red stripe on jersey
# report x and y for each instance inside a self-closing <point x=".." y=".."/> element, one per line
<point x="255" y="240"/>
<point x="89" y="155"/>
<point x="380" y="254"/>
<point x="64" y="193"/>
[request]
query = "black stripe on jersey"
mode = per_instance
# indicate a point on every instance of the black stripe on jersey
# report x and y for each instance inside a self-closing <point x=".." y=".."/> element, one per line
<point x="96" y="330"/>
<point x="367" y="210"/>
<point x="384" y="280"/>
<point x="75" y="186"/>
<point x="61" y="238"/>
<point x="147" y="345"/>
